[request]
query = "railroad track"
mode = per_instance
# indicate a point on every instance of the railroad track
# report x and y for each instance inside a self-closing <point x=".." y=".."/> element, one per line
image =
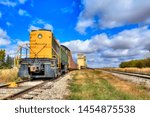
<point x="6" y="85"/>
<point x="145" y="76"/>
<point x="26" y="89"/>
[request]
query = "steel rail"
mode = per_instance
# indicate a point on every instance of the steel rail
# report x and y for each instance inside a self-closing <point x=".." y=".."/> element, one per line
<point x="27" y="90"/>
<point x="15" y="95"/>
<point x="6" y="85"/>
<point x="145" y="76"/>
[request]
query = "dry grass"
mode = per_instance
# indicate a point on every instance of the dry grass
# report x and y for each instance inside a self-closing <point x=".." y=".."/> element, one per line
<point x="138" y="91"/>
<point x="94" y="84"/>
<point x="8" y="75"/>
<point x="134" y="70"/>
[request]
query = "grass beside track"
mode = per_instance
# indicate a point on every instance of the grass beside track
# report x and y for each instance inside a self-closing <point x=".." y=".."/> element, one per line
<point x="96" y="85"/>
<point x="132" y="70"/>
<point x="8" y="75"/>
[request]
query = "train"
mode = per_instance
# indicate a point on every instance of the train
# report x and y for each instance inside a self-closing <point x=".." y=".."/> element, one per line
<point x="47" y="58"/>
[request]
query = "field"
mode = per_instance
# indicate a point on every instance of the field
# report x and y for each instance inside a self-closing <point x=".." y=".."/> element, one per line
<point x="97" y="85"/>
<point x="134" y="70"/>
<point x="8" y="75"/>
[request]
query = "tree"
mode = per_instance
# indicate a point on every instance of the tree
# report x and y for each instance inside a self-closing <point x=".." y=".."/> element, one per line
<point x="5" y="62"/>
<point x="2" y="57"/>
<point x="9" y="61"/>
<point x="136" y="63"/>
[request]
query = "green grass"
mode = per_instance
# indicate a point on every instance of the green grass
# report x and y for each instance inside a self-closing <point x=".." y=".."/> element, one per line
<point x="102" y="90"/>
<point x="98" y="89"/>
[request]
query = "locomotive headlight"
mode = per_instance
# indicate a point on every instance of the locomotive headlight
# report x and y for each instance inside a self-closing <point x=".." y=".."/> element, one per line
<point x="39" y="36"/>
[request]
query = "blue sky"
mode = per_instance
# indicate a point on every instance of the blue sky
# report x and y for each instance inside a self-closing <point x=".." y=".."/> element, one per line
<point x="107" y="31"/>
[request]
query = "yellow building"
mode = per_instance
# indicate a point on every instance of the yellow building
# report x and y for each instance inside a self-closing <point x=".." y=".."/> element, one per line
<point x="81" y="61"/>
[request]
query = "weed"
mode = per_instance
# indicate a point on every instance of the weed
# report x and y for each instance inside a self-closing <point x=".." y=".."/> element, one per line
<point x="8" y="75"/>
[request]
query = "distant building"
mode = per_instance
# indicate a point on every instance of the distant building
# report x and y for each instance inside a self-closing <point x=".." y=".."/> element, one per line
<point x="81" y="61"/>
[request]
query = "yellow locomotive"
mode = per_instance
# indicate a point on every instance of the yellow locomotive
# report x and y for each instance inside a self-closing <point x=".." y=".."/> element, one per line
<point x="47" y="58"/>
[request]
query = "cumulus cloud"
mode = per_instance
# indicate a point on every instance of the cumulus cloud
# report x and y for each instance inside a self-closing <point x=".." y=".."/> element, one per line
<point x="113" y="13"/>
<point x="20" y="42"/>
<point x="133" y="44"/>
<point x="22" y="12"/>
<point x="22" y="1"/>
<point x="78" y="46"/>
<point x="83" y="24"/>
<point x="8" y="24"/>
<point x="4" y="38"/>
<point x="4" y="41"/>
<point x="8" y="3"/>
<point x="33" y="28"/>
<point x="48" y="26"/>
<point x="40" y="24"/>
<point x="12" y="50"/>
<point x="12" y="3"/>
<point x="10" y="45"/>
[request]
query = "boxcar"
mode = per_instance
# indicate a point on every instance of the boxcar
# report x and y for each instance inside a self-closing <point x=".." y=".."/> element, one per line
<point x="71" y="64"/>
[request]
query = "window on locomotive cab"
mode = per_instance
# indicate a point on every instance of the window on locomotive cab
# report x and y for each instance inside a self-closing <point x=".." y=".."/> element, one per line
<point x="40" y="36"/>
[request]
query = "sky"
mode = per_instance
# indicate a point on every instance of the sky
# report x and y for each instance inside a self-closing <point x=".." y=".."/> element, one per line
<point x="108" y="32"/>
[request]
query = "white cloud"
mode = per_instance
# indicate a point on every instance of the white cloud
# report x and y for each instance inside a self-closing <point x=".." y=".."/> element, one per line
<point x="96" y="43"/>
<point x="4" y="38"/>
<point x="8" y="24"/>
<point x="9" y="44"/>
<point x="12" y="3"/>
<point x="127" y="39"/>
<point x="8" y="3"/>
<point x="39" y="21"/>
<point x="22" y="12"/>
<point x="31" y="27"/>
<point x="113" y="13"/>
<point x="22" y="1"/>
<point x="40" y="24"/>
<point x="4" y="42"/>
<point x="78" y="46"/>
<point x="128" y="44"/>
<point x="12" y="49"/>
<point x="48" y="27"/>
<point x="20" y="42"/>
<point x="83" y="24"/>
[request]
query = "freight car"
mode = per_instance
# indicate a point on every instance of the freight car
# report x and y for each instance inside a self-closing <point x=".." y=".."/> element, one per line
<point x="71" y="64"/>
<point x="47" y="58"/>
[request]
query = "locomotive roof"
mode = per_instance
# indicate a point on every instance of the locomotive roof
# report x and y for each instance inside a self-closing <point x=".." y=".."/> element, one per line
<point x="65" y="47"/>
<point x="41" y="30"/>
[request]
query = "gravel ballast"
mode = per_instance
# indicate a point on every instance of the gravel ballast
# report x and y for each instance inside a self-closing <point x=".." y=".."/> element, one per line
<point x="55" y="90"/>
